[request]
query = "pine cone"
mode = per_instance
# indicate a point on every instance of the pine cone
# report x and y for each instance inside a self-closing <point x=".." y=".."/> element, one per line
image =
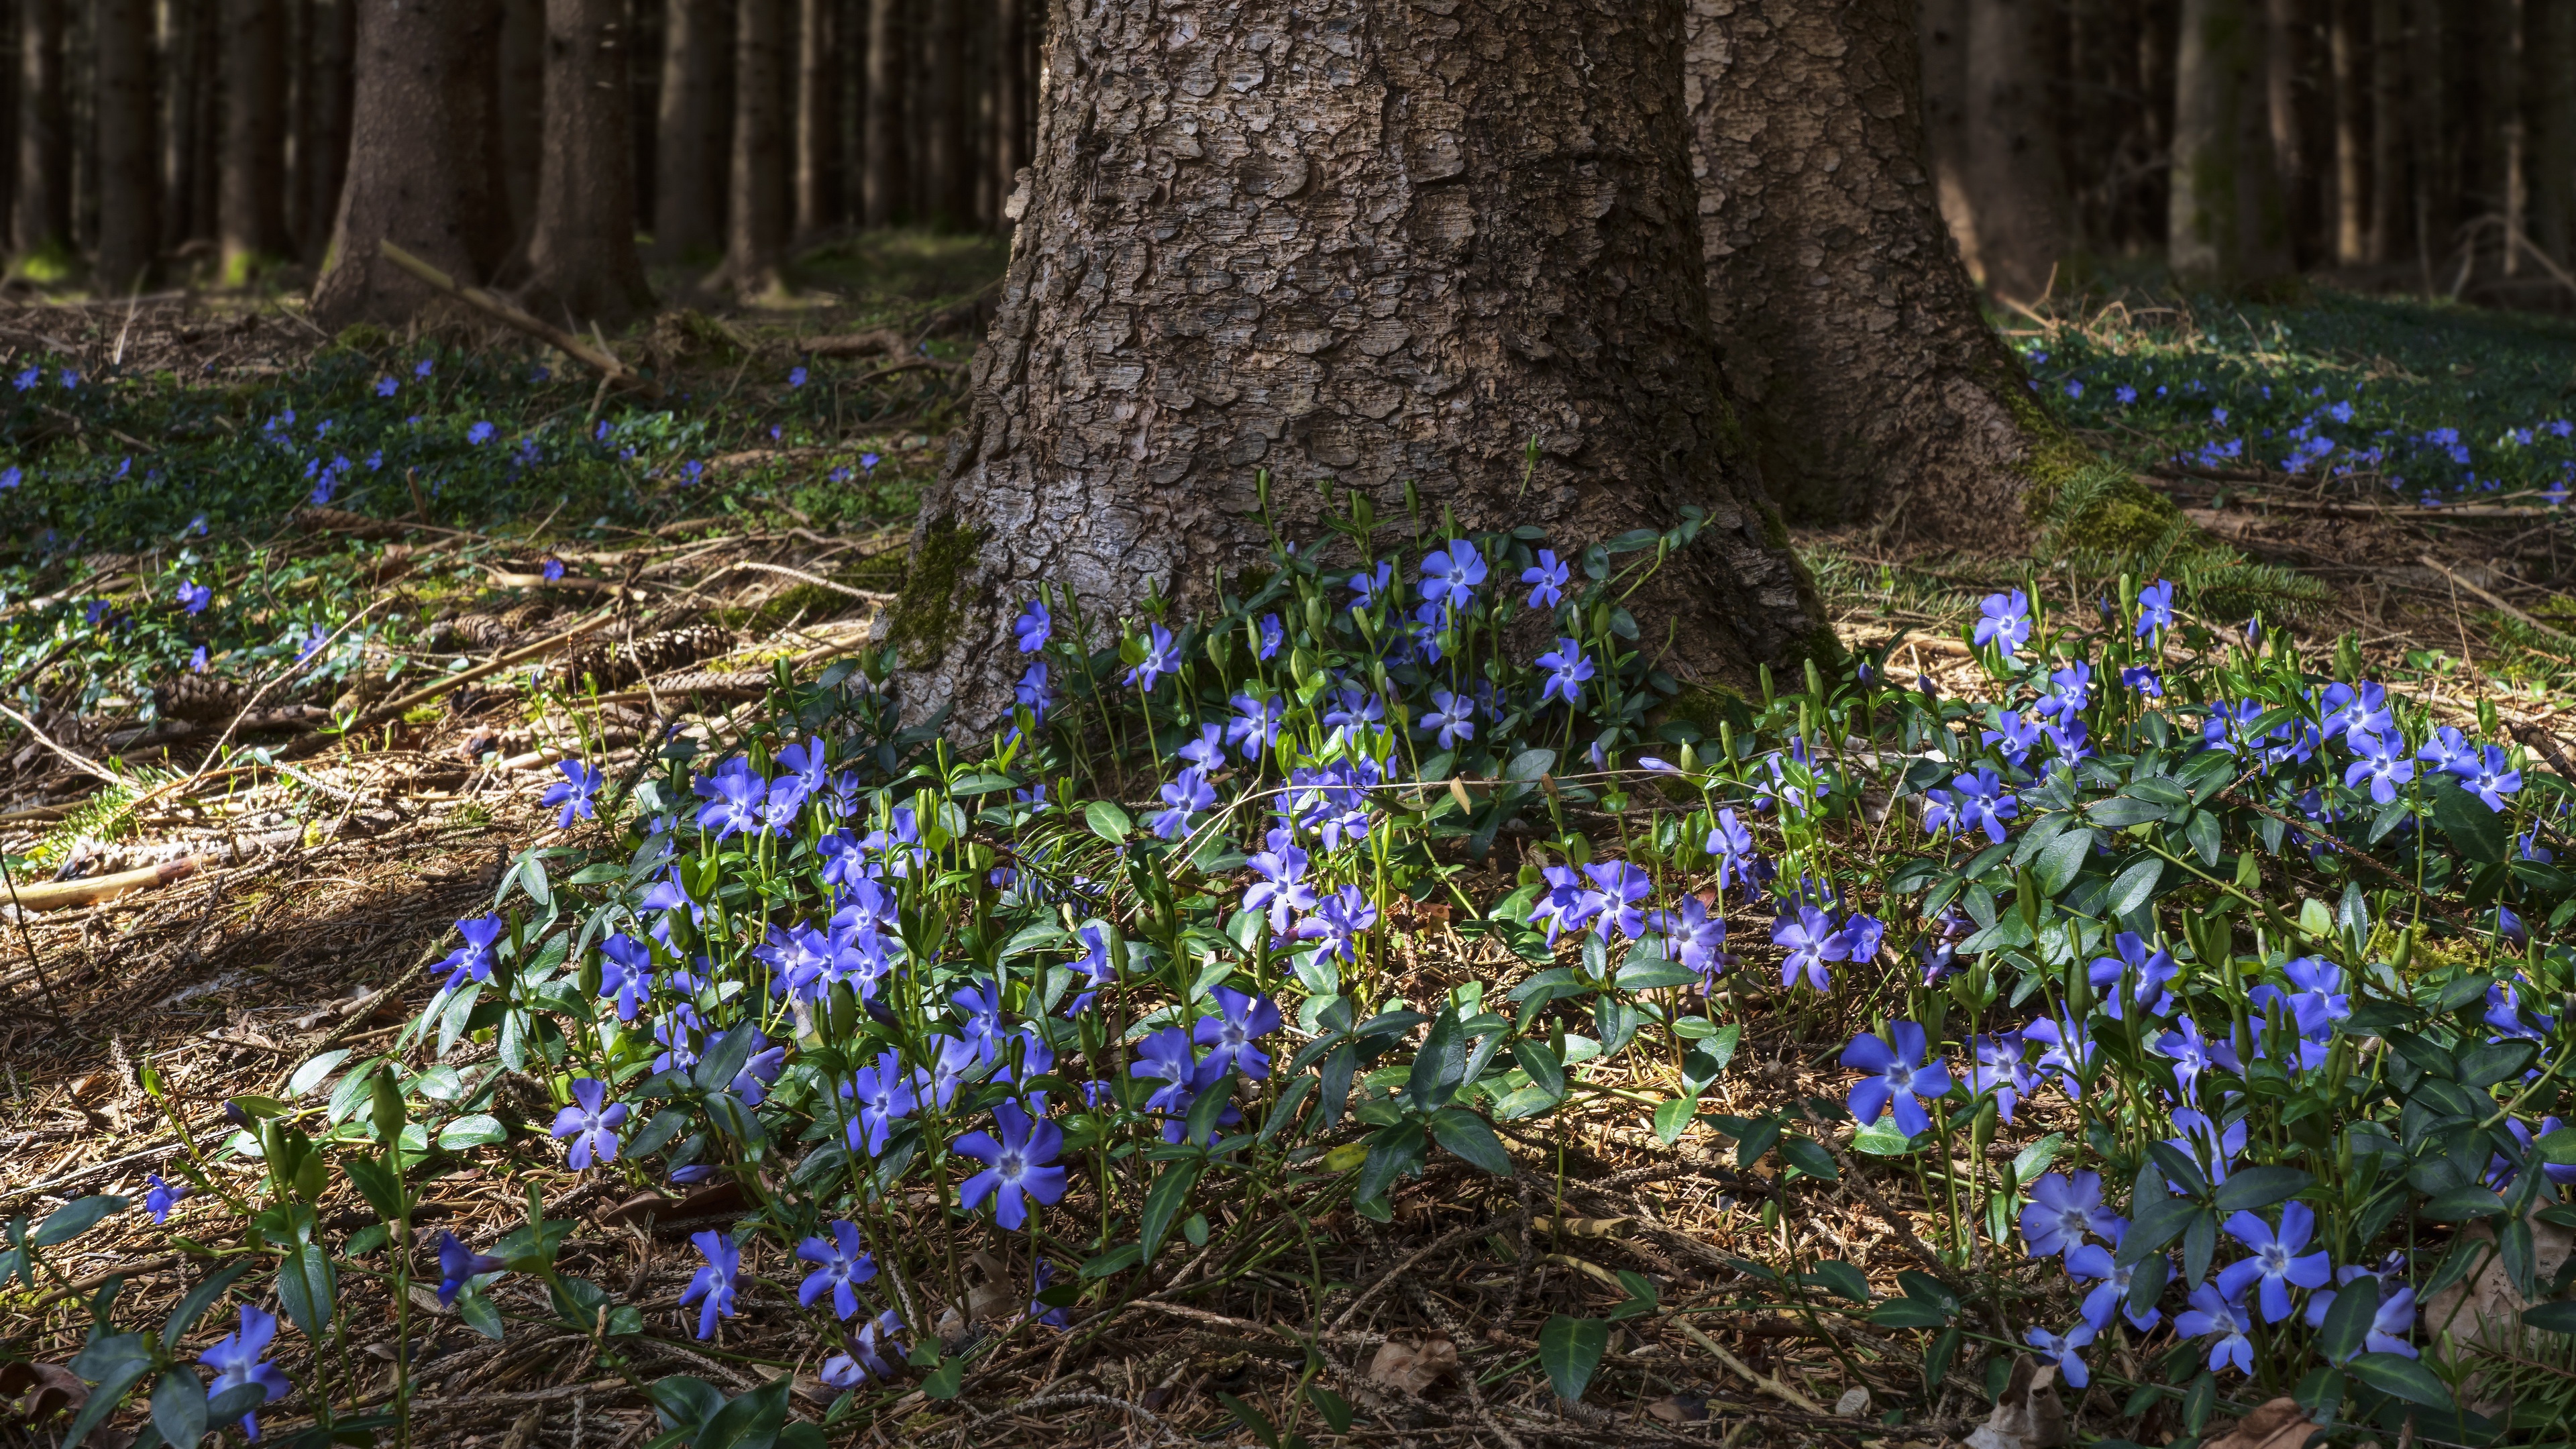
<point x="612" y="664"/>
<point x="200" y="697"/>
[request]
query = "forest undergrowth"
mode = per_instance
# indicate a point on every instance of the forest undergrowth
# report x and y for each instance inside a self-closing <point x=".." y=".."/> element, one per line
<point x="491" y="965"/>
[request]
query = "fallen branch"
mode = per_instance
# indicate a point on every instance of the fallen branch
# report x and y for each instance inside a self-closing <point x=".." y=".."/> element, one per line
<point x="2499" y="605"/>
<point x="55" y="895"/>
<point x="818" y="582"/>
<point x="607" y="364"/>
<point x="393" y="709"/>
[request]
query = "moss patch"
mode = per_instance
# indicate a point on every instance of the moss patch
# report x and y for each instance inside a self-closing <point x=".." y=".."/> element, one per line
<point x="926" y="614"/>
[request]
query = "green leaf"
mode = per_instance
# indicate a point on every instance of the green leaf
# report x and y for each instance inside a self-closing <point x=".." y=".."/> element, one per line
<point x="749" y="1422"/>
<point x="1529" y="764"/>
<point x="2135" y="887"/>
<point x="2348" y="1322"/>
<point x="945" y="1380"/>
<point x="1107" y="821"/>
<point x="2558" y="1148"/>
<point x="104" y="1399"/>
<point x="2063" y="857"/>
<point x="1116" y="1260"/>
<point x="1163" y="1203"/>
<point x="1254" y="1422"/>
<point x="1808" y="1157"/>
<point x="1570" y="1349"/>
<point x="2259" y="1187"/>
<point x="2547" y="1317"/>
<point x="2120" y="811"/>
<point x="194" y="1306"/>
<point x="1672" y="1117"/>
<point x="479" y="1313"/>
<point x="1654" y="972"/>
<point x="306" y="1078"/>
<point x="2402" y="1377"/>
<point x="2459" y="1205"/>
<point x="1335" y="1409"/>
<point x="2476" y="831"/>
<point x="1466" y="1134"/>
<point x="75" y="1218"/>
<point x="479" y="1130"/>
<point x="378" y="1183"/>
<point x="1836" y="1276"/>
<point x="306" y="1287"/>
<point x="1908" y="1313"/>
<point x="179" y="1408"/>
<point x="1537" y="1059"/>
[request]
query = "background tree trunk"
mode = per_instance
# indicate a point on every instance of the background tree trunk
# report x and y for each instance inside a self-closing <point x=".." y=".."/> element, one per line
<point x="326" y="137"/>
<point x="250" y="212"/>
<point x="581" y="256"/>
<point x="416" y="160"/>
<point x="818" y="120"/>
<point x="2285" y="83"/>
<point x="41" y="219"/>
<point x="2347" y="48"/>
<point x="2553" y="78"/>
<point x="1010" y="68"/>
<point x="1941" y="27"/>
<point x="521" y="85"/>
<point x="129" y="211"/>
<point x="689" y="144"/>
<point x="203" y="132"/>
<point x="756" y="201"/>
<point x="1465" y="241"/>
<point x="2226" y="228"/>
<point x="2016" y="186"/>
<point x="1869" y="385"/>
<point x="2388" y="188"/>
<point x="888" y="179"/>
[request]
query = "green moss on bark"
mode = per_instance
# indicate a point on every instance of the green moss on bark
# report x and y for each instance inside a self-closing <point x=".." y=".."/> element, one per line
<point x="926" y="614"/>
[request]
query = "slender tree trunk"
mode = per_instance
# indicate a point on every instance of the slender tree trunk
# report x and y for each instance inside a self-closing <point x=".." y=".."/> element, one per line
<point x="1942" y="26"/>
<point x="2285" y="35"/>
<point x="2016" y="185"/>
<point x="818" y="119"/>
<point x="41" y="221"/>
<point x="888" y="178"/>
<point x="2227" y="227"/>
<point x="953" y="180"/>
<point x="326" y="145"/>
<point x="581" y="255"/>
<point x="1494" y="245"/>
<point x="80" y="122"/>
<point x="1869" y="385"/>
<point x="1009" y="148"/>
<point x="2508" y="138"/>
<point x="521" y="83"/>
<point x="756" y="204"/>
<point x="2387" y="129"/>
<point x="8" y="115"/>
<point x="2345" y="47"/>
<point x="129" y="212"/>
<point x="688" y="209"/>
<point x="250" y="212"/>
<point x="2553" y="76"/>
<point x="417" y="174"/>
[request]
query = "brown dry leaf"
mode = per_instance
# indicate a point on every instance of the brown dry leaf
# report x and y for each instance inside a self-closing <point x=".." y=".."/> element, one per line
<point x="1413" y="1368"/>
<point x="93" y="1087"/>
<point x="1679" y="1408"/>
<point x="991" y="1300"/>
<point x="2027" y="1415"/>
<point x="2277" y="1424"/>
<point x="55" y="1389"/>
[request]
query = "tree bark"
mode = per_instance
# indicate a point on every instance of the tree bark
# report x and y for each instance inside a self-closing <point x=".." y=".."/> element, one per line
<point x="689" y="145"/>
<point x="521" y="88"/>
<point x="2387" y="130"/>
<point x="2227" y="228"/>
<point x="129" y="211"/>
<point x="41" y="220"/>
<point x="2016" y="185"/>
<point x="581" y="255"/>
<point x="1387" y="246"/>
<point x="2345" y="47"/>
<point x="888" y="180"/>
<point x="2507" y="137"/>
<point x="2285" y="33"/>
<point x="2435" y="201"/>
<point x="1942" y="30"/>
<point x="250" y="209"/>
<point x="1010" y="99"/>
<point x="2553" y="74"/>
<point x="1869" y="385"/>
<point x="326" y="143"/>
<point x="417" y="173"/>
<point x="756" y="199"/>
<point x="818" y="119"/>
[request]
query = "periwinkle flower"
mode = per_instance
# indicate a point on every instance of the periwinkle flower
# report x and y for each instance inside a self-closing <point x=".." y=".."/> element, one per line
<point x="1694" y="936"/>
<point x="1976" y="801"/>
<point x="2063" y="1208"/>
<point x="1812" y="940"/>
<point x="580" y="783"/>
<point x="2060" y="1348"/>
<point x="473" y="960"/>
<point x="1166" y="1057"/>
<point x="2277" y="1265"/>
<point x="1162" y="656"/>
<point x="1547" y="580"/>
<point x="1015" y="1166"/>
<point x="866" y="1355"/>
<point x="1033" y="627"/>
<point x="2155" y="608"/>
<point x="194" y="596"/>
<point x="2380" y="761"/>
<point x="164" y="1196"/>
<point x="1229" y="1035"/>
<point x="841" y="1264"/>
<point x="458" y="1266"/>
<point x="884" y="1093"/>
<point x="2212" y="1315"/>
<point x="714" y="1284"/>
<point x="591" y="1125"/>
<point x="1451" y="718"/>
<point x="2004" y="620"/>
<point x="235" y="1358"/>
<point x="1451" y="575"/>
<point x="1897" y="1072"/>
<point x="1567" y="668"/>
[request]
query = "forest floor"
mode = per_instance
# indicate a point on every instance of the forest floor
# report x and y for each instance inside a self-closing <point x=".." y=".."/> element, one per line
<point x="378" y="523"/>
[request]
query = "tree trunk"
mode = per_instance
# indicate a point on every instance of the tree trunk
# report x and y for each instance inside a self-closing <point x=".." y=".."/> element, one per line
<point x="1009" y="148"/>
<point x="2553" y="75"/>
<point x="756" y="201"/>
<point x="2387" y="130"/>
<point x="952" y="194"/>
<point x="1869" y="386"/>
<point x="521" y="87"/>
<point x="417" y="173"/>
<point x="2016" y="186"/>
<point x="1478" y="244"/>
<point x="689" y="141"/>
<point x="581" y="255"/>
<point x="2345" y="47"/>
<point x="250" y="212"/>
<point x="2436" y="194"/>
<point x="2285" y="31"/>
<point x="326" y="142"/>
<point x="1942" y="28"/>
<point x="888" y="179"/>
<point x="818" y="119"/>
<point x="41" y="221"/>
<point x="2226" y="227"/>
<point x="2507" y="138"/>
<point x="129" y="209"/>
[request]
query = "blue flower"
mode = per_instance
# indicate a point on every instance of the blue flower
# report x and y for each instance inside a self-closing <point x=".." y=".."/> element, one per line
<point x="735" y="793"/>
<point x="194" y="596"/>
<point x="2059" y="1348"/>
<point x="386" y="387"/>
<point x="2155" y="608"/>
<point x="1282" y="889"/>
<point x="1547" y="580"/>
<point x="1369" y="586"/>
<point x="10" y="477"/>
<point x="1732" y="847"/>
<point x="796" y="378"/>
<point x="1620" y="886"/>
<point x="1975" y="801"/>
<point x="1229" y="1035"/>
<point x="1338" y="922"/>
<point x="1273" y="634"/>
<point x="1186" y="794"/>
<point x="868" y="462"/>
<point x="2277" y="1265"/>
<point x="2063" y="1208"/>
<point x="1452" y="717"/>
<point x="1996" y="1068"/>
<point x="1693" y="935"/>
<point x="1897" y="1072"/>
<point x="1162" y="656"/>
<point x="2005" y="621"/>
<point x="2188" y="1050"/>
<point x="163" y="1197"/>
<point x="1812" y="940"/>
<point x="473" y="960"/>
<point x="459" y="1266"/>
<point x="591" y="1126"/>
<point x="27" y="378"/>
<point x="2214" y="1316"/>
<point x="580" y="782"/>
<point x="1567" y="669"/>
<point x="2140" y="973"/>
<point x="1034" y="691"/>
<point x="2144" y="680"/>
<point x="843" y="1265"/>
<point x="552" y="570"/>
<point x="235" y="1358"/>
<point x="2490" y="776"/>
<point x="867" y="1353"/>
<point x="2072" y="690"/>
<point x="2092" y="1261"/>
<point x="1254" y="726"/>
<point x="715" y="1282"/>
<point x="1034" y="627"/>
<point x="2380" y="761"/>
<point x="2070" y="1051"/>
<point x="424" y="369"/>
<point x="885" y="1096"/>
<point x="480" y="433"/>
<point x="2074" y="389"/>
<point x="1451" y="575"/>
<point x="1166" y="1057"/>
<point x="1015" y="1166"/>
<point x="2388" y="1327"/>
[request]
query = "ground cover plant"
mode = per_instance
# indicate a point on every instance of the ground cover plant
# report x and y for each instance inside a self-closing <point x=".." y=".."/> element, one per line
<point x="2145" y="997"/>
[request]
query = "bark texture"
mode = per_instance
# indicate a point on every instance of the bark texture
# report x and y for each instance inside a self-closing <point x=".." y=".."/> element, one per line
<point x="521" y="85"/>
<point x="251" y="201"/>
<point x="885" y="182"/>
<point x="417" y="172"/>
<point x="41" y="219"/>
<point x="689" y="153"/>
<point x="2227" y="227"/>
<point x="1870" y="386"/>
<point x="756" y="195"/>
<point x="326" y="135"/>
<point x="1361" y="241"/>
<point x="581" y="257"/>
<point x="2016" y="185"/>
<point x="129" y="195"/>
<point x="818" y="119"/>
